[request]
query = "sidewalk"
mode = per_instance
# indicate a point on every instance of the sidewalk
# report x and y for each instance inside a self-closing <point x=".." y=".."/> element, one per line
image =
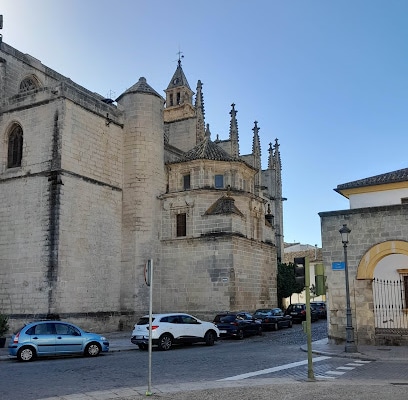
<point x="262" y="389"/>
<point x="370" y="353"/>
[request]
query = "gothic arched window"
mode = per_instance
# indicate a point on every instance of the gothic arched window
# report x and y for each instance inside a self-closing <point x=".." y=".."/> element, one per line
<point x="28" y="84"/>
<point x="15" y="147"/>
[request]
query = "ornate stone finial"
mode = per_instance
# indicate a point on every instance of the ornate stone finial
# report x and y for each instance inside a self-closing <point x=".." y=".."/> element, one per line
<point x="256" y="128"/>
<point x="207" y="131"/>
<point x="233" y="112"/>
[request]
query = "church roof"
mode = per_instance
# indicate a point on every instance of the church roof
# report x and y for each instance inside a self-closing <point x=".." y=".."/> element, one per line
<point x="140" y="87"/>
<point x="400" y="175"/>
<point x="224" y="205"/>
<point x="178" y="79"/>
<point x="207" y="150"/>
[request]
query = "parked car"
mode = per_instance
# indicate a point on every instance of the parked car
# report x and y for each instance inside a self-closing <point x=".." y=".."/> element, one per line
<point x="273" y="319"/>
<point x="320" y="307"/>
<point x="52" y="338"/>
<point x="298" y="312"/>
<point x="173" y="328"/>
<point x="237" y="324"/>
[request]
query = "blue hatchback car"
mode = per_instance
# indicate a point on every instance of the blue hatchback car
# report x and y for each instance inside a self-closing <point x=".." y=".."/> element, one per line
<point x="52" y="338"/>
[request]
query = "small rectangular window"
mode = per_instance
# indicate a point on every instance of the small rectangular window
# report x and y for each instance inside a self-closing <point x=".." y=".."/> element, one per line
<point x="186" y="182"/>
<point x="181" y="225"/>
<point x="178" y="97"/>
<point x="404" y="200"/>
<point x="219" y="181"/>
<point x="171" y="99"/>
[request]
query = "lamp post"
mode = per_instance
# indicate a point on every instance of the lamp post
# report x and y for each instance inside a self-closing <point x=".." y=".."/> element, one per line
<point x="350" y="345"/>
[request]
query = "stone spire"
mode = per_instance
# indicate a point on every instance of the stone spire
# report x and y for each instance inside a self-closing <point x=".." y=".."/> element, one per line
<point x="256" y="146"/>
<point x="270" y="157"/>
<point x="207" y="131"/>
<point x="179" y="98"/>
<point x="275" y="166"/>
<point x="274" y="159"/>
<point x="178" y="79"/>
<point x="199" y="106"/>
<point x="234" y="132"/>
<point x="256" y="153"/>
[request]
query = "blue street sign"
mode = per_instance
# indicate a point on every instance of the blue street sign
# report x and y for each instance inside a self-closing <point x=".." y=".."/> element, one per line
<point x="338" y="266"/>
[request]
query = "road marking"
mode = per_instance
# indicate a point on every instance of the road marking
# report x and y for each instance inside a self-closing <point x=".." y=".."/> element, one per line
<point x="274" y="369"/>
<point x="325" y="377"/>
<point x="335" y="372"/>
<point x="345" y="368"/>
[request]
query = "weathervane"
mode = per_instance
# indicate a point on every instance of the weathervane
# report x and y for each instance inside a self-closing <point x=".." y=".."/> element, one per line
<point x="180" y="56"/>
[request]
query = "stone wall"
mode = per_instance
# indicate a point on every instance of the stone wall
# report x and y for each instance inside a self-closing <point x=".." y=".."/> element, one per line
<point x="60" y="211"/>
<point x="207" y="275"/>
<point x="23" y="256"/>
<point x="369" y="227"/>
<point x="182" y="133"/>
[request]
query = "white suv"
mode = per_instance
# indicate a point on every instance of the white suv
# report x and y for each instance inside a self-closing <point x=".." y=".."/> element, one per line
<point x="169" y="329"/>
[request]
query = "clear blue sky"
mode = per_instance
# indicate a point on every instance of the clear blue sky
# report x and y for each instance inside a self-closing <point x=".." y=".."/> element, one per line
<point x="329" y="79"/>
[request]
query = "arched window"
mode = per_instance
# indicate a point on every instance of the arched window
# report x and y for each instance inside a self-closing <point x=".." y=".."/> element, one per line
<point x="28" y="84"/>
<point x="15" y="147"/>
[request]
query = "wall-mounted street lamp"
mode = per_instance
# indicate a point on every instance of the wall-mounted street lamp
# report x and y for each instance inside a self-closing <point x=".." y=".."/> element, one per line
<point x="350" y="345"/>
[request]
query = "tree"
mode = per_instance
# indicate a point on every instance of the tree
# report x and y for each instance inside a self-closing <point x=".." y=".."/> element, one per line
<point x="285" y="282"/>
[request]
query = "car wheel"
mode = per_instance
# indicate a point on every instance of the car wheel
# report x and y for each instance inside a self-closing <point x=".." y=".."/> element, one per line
<point x="260" y="331"/>
<point x="165" y="342"/>
<point x="240" y="334"/>
<point x="290" y="324"/>
<point x="26" y="353"/>
<point x="142" y="346"/>
<point x="209" y="338"/>
<point x="92" y="349"/>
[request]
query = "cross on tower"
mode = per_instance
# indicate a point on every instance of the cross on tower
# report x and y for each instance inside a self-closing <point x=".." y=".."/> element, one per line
<point x="180" y="56"/>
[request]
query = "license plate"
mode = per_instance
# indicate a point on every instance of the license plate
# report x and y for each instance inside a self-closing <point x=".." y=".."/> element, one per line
<point x="223" y="331"/>
<point x="139" y="337"/>
<point x="293" y="313"/>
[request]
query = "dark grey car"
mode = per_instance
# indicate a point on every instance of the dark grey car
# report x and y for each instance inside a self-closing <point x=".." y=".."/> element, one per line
<point x="298" y="312"/>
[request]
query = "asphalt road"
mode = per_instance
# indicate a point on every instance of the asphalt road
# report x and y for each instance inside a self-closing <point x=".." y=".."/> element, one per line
<point x="273" y="355"/>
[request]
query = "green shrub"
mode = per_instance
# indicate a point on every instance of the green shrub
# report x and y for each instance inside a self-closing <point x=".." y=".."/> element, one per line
<point x="4" y="326"/>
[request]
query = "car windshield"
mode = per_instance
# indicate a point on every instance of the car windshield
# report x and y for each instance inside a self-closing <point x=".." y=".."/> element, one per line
<point x="227" y="318"/>
<point x="262" y="312"/>
<point x="320" y="305"/>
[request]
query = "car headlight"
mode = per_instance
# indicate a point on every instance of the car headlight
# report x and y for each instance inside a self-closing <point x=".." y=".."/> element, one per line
<point x="103" y="338"/>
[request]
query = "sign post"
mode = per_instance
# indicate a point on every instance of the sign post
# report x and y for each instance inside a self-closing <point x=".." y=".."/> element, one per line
<point x="310" y="373"/>
<point x="148" y="274"/>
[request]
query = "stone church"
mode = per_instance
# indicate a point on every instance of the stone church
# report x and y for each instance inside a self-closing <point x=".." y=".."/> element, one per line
<point x="91" y="188"/>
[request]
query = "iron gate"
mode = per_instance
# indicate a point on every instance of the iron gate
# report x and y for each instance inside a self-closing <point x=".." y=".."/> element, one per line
<point x="390" y="305"/>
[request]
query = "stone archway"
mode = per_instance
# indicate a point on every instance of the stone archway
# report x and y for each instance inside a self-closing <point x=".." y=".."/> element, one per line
<point x="376" y="253"/>
<point x="388" y="289"/>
